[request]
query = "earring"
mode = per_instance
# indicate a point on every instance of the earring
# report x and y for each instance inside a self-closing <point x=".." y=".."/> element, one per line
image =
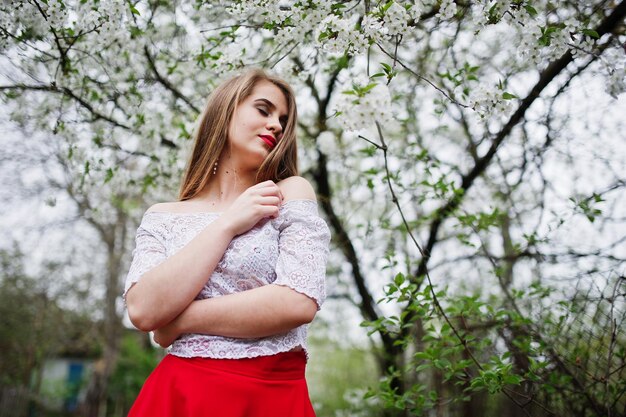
<point x="215" y="168"/>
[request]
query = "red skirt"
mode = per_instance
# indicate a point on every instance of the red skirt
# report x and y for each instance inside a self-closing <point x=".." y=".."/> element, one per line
<point x="266" y="386"/>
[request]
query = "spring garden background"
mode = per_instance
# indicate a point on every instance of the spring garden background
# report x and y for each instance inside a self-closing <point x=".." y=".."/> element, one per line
<point x="469" y="158"/>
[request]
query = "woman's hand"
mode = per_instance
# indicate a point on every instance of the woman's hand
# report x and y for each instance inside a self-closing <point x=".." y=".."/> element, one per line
<point x="260" y="201"/>
<point x="166" y="335"/>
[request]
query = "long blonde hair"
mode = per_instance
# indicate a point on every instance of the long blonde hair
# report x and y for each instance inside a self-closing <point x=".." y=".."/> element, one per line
<point x="212" y="134"/>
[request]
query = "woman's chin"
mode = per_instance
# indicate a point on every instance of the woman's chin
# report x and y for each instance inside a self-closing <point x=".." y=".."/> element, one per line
<point x="257" y="159"/>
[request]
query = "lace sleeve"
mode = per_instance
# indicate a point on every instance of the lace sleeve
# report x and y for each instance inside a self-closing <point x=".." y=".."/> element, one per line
<point x="303" y="249"/>
<point x="149" y="252"/>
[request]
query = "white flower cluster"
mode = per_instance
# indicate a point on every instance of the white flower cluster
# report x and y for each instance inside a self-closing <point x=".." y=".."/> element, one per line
<point x="373" y="28"/>
<point x="57" y="13"/>
<point x="447" y="10"/>
<point x="114" y="15"/>
<point x="394" y="21"/>
<point x="528" y="48"/>
<point x="18" y="17"/>
<point x="108" y="33"/>
<point x="106" y="17"/>
<point x="341" y="35"/>
<point x="302" y="16"/>
<point x="84" y="16"/>
<point x="417" y="9"/>
<point x="231" y="57"/>
<point x="89" y="20"/>
<point x="247" y="9"/>
<point x="561" y="40"/>
<point x="485" y="8"/>
<point x="583" y="45"/>
<point x="487" y="102"/>
<point x="614" y="60"/>
<point x="6" y="22"/>
<point x="361" y="112"/>
<point x="327" y="142"/>
<point x="290" y="34"/>
<point x="541" y="43"/>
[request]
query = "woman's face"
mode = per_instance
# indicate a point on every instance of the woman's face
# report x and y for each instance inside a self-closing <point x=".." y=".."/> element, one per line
<point x="257" y="125"/>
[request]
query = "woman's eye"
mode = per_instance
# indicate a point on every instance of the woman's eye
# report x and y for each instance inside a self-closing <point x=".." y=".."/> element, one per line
<point x="263" y="112"/>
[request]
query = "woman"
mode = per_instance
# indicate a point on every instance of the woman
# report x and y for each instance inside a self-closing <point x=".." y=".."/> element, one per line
<point x="232" y="273"/>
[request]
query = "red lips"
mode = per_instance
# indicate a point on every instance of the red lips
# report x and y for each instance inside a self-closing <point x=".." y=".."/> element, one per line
<point x="271" y="142"/>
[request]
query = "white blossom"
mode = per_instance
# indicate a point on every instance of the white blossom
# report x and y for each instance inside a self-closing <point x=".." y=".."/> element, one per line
<point x="327" y="142"/>
<point x="341" y="36"/>
<point x="88" y="21"/>
<point x="57" y="13"/>
<point x="447" y="10"/>
<point x="373" y="28"/>
<point x="614" y="61"/>
<point x="396" y="19"/>
<point x="582" y="45"/>
<point x="231" y="57"/>
<point x="361" y="112"/>
<point x="487" y="102"/>
<point x="416" y="10"/>
<point x="291" y="34"/>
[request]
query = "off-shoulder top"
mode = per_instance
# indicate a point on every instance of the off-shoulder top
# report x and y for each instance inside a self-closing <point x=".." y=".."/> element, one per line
<point x="290" y="250"/>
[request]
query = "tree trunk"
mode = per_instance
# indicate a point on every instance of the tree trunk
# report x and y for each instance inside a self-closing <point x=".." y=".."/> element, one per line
<point x="115" y="239"/>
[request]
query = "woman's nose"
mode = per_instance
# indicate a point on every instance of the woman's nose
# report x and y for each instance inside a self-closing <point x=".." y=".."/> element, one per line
<point x="274" y="125"/>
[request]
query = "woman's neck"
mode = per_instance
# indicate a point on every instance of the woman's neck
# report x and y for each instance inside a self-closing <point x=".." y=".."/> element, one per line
<point x="226" y="185"/>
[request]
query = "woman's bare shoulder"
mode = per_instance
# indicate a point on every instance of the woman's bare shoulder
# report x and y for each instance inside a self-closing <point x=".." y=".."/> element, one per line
<point x="168" y="207"/>
<point x="296" y="188"/>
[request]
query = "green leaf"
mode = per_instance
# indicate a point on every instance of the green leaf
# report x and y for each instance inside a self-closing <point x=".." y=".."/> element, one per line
<point x="387" y="6"/>
<point x="134" y="10"/>
<point x="591" y="33"/>
<point x="369" y="151"/>
<point x="508" y="96"/>
<point x="493" y="15"/>
<point x="269" y="25"/>
<point x="530" y="10"/>
<point x="399" y="279"/>
<point x="108" y="175"/>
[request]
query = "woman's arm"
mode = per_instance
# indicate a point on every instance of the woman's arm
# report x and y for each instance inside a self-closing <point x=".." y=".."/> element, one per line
<point x="166" y="290"/>
<point x="260" y="312"/>
<point x="264" y="311"/>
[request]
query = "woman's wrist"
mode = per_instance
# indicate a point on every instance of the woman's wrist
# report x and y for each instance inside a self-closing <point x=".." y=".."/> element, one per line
<point x="178" y="325"/>
<point x="224" y="227"/>
<point x="184" y="323"/>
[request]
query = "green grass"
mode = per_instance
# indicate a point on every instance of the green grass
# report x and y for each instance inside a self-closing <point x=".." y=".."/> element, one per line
<point x="337" y="378"/>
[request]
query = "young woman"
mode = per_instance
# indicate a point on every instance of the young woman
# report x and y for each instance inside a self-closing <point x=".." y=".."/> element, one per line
<point x="231" y="274"/>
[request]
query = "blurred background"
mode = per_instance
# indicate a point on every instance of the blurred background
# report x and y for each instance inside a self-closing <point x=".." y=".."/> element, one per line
<point x="469" y="158"/>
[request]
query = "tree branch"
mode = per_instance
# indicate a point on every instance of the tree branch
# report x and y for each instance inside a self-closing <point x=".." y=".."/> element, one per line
<point x="546" y="77"/>
<point x="67" y="92"/>
<point x="165" y="82"/>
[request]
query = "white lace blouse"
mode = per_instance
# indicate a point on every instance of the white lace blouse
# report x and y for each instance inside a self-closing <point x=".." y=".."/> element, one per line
<point x="290" y="250"/>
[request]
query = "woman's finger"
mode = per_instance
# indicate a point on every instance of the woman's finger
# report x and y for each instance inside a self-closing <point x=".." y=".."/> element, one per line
<point x="269" y="190"/>
<point x="264" y="184"/>
<point x="269" y="200"/>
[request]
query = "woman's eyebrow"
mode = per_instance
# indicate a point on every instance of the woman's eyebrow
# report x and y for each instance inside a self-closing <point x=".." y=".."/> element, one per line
<point x="269" y="103"/>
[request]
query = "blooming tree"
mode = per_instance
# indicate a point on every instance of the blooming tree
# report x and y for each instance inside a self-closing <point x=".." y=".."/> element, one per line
<point x="466" y="155"/>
